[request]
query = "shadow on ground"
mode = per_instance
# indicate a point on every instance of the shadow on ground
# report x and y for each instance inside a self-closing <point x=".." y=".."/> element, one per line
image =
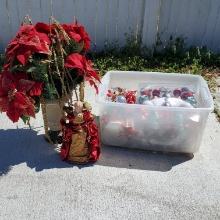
<point x="25" y="146"/>
<point x="141" y="159"/>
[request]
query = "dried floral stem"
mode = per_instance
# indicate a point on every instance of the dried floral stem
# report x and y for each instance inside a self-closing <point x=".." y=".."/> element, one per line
<point x="81" y="91"/>
<point x="62" y="60"/>
<point x="52" y="81"/>
<point x="60" y="28"/>
<point x="77" y="98"/>
<point x="26" y="20"/>
<point x="58" y="72"/>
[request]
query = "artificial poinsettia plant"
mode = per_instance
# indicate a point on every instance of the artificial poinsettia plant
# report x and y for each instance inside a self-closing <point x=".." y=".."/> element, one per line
<point x="44" y="61"/>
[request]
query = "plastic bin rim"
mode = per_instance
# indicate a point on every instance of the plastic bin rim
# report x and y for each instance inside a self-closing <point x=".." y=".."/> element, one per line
<point x="146" y="72"/>
<point x="211" y="108"/>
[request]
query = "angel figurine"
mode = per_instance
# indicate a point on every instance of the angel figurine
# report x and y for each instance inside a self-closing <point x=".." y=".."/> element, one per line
<point x="80" y="137"/>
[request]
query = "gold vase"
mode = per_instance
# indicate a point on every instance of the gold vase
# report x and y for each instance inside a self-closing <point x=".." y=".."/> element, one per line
<point x="53" y="114"/>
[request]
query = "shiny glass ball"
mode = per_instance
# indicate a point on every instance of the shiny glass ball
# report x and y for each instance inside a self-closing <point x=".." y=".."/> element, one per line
<point x="185" y="89"/>
<point x="142" y="99"/>
<point x="121" y="99"/>
<point x="191" y="100"/>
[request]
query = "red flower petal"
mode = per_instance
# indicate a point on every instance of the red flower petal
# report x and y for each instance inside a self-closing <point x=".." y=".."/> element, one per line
<point x="25" y="85"/>
<point x="3" y="104"/>
<point x="77" y="32"/>
<point x="29" y="111"/>
<point x="36" y="89"/>
<point x="13" y="114"/>
<point x="20" y="101"/>
<point x="74" y="61"/>
<point x="23" y="57"/>
<point x="42" y="27"/>
<point x="84" y="67"/>
<point x="27" y="42"/>
<point x="7" y="82"/>
<point x="75" y="36"/>
<point x="20" y="105"/>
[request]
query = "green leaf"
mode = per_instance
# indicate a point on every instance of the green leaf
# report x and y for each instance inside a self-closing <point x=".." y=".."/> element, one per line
<point x="32" y="69"/>
<point x="25" y="119"/>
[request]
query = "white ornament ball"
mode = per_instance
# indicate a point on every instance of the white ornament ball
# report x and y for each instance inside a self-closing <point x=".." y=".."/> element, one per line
<point x="113" y="134"/>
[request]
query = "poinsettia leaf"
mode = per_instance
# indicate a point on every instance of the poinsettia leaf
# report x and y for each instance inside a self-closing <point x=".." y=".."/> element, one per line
<point x="24" y="55"/>
<point x="74" y="61"/>
<point x="78" y="34"/>
<point x="30" y="111"/>
<point x="42" y="27"/>
<point x="31" y="69"/>
<point x="13" y="114"/>
<point x="36" y="89"/>
<point x="20" y="101"/>
<point x="17" y="68"/>
<point x="25" y="85"/>
<point x="75" y="47"/>
<point x="95" y="75"/>
<point x="3" y="104"/>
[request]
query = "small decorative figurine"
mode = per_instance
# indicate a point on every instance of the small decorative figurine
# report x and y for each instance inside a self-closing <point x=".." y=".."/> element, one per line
<point x="80" y="138"/>
<point x="131" y="97"/>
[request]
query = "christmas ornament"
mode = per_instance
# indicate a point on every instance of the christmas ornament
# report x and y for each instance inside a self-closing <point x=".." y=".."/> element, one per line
<point x="148" y="102"/>
<point x="146" y="92"/>
<point x="191" y="100"/>
<point x="128" y="128"/>
<point x="113" y="132"/>
<point x="171" y="102"/>
<point x="185" y="89"/>
<point x="131" y="97"/>
<point x="185" y="95"/>
<point x="164" y="92"/>
<point x="121" y="99"/>
<point x="80" y="138"/>
<point x="182" y="97"/>
<point x="176" y="93"/>
<point x="156" y="93"/>
<point x="143" y="98"/>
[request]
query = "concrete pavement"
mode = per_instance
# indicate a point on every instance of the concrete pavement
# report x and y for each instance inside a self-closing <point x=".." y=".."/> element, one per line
<point x="124" y="184"/>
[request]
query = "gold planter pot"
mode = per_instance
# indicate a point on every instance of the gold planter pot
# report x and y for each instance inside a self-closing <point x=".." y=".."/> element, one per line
<point x="52" y="113"/>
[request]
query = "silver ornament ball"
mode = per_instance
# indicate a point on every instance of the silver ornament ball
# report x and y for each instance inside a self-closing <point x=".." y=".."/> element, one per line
<point x="121" y="99"/>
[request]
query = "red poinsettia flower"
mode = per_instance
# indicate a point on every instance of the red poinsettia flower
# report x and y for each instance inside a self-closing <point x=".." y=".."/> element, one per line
<point x="84" y="67"/>
<point x="15" y="95"/>
<point x="43" y="28"/>
<point x="27" y="42"/>
<point x="77" y="33"/>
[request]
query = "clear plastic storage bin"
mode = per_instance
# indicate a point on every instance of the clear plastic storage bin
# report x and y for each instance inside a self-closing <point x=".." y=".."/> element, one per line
<point x="173" y="129"/>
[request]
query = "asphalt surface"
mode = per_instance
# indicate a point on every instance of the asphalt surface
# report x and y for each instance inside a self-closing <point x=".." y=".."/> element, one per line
<point x="124" y="184"/>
